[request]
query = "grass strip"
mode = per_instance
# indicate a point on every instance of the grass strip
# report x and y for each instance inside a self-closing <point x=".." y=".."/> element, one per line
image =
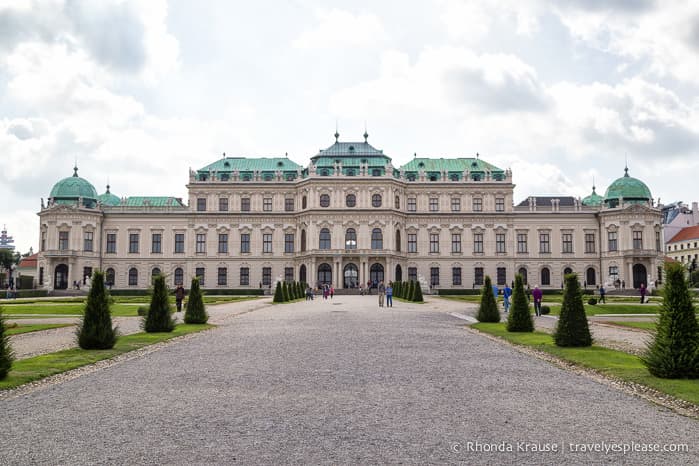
<point x="606" y="361"/>
<point x="39" y="367"/>
<point x="28" y="328"/>
<point x="642" y="325"/>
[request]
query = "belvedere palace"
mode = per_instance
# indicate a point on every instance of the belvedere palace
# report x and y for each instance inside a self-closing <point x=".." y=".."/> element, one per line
<point x="349" y="217"/>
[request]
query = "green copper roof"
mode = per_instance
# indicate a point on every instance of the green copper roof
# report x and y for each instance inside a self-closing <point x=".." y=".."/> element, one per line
<point x="108" y="198"/>
<point x="593" y="199"/>
<point x="230" y="164"/>
<point x="70" y="189"/>
<point x="630" y="189"/>
<point x="350" y="149"/>
<point x="476" y="167"/>
<point x="351" y="161"/>
<point x="154" y="201"/>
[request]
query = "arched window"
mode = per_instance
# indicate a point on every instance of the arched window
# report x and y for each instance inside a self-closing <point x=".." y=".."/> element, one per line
<point x="324" y="172"/>
<point x="302" y="274"/>
<point x="350" y="239"/>
<point x="376" y="239"/>
<point x="133" y="276"/>
<point x="399" y="273"/>
<point x="396" y="202"/>
<point x="567" y="271"/>
<point x="154" y="273"/>
<point x="304" y="202"/>
<point x="398" y="246"/>
<point x="109" y="277"/>
<point x="303" y="240"/>
<point x="376" y="172"/>
<point x="376" y="200"/>
<point x="591" y="276"/>
<point x="179" y="276"/>
<point x="351" y="200"/>
<point x="324" y="239"/>
<point x="325" y="274"/>
<point x="324" y="200"/>
<point x="376" y="274"/>
<point x="545" y="277"/>
<point x="523" y="272"/>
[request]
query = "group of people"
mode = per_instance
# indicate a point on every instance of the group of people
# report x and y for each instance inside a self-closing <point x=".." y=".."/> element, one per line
<point x="532" y="294"/>
<point x="385" y="294"/>
<point x="326" y="289"/>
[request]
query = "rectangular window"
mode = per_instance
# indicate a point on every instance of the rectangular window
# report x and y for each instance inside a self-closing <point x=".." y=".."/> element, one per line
<point x="111" y="243"/>
<point x="245" y="242"/>
<point x="613" y="272"/>
<point x="289" y="204"/>
<point x="501" y="275"/>
<point x="500" y="243"/>
<point x="522" y="243"/>
<point x="657" y="241"/>
<point x="133" y="242"/>
<point x="222" y="278"/>
<point x="638" y="240"/>
<point x="266" y="276"/>
<point x="456" y="275"/>
<point x="63" y="240"/>
<point x="589" y="242"/>
<point x="41" y="275"/>
<point x="477" y="204"/>
<point x="434" y="242"/>
<point x="412" y="242"/>
<point x="267" y="242"/>
<point x="544" y="243"/>
<point x="611" y="240"/>
<point x="245" y="204"/>
<point x="87" y="273"/>
<point x="478" y="276"/>
<point x="434" y="204"/>
<point x="567" y="242"/>
<point x="179" y="243"/>
<point x="244" y="275"/>
<point x="201" y="204"/>
<point x="499" y="204"/>
<point x="478" y="243"/>
<point x="201" y="243"/>
<point x="289" y="242"/>
<point x="43" y="240"/>
<point x="456" y="242"/>
<point x="412" y="273"/>
<point x="412" y="204"/>
<point x="455" y="204"/>
<point x="88" y="243"/>
<point x="200" y="273"/>
<point x="288" y="274"/>
<point x="434" y="276"/>
<point x="223" y="204"/>
<point x="267" y="204"/>
<point x="223" y="243"/>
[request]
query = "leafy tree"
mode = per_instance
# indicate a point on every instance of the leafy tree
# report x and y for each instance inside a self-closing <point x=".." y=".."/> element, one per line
<point x="95" y="330"/>
<point x="572" y="328"/>
<point x="278" y="294"/>
<point x="159" y="316"/>
<point x="674" y="351"/>
<point x="6" y="259"/>
<point x="417" y="293"/>
<point x="6" y="355"/>
<point x="519" y="318"/>
<point x="488" y="309"/>
<point x="195" y="312"/>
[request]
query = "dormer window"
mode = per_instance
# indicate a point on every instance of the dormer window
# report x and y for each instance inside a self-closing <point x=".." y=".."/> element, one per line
<point x="421" y="165"/>
<point x="324" y="172"/>
<point x="351" y="148"/>
<point x="376" y="172"/>
<point x="350" y="172"/>
<point x="280" y="164"/>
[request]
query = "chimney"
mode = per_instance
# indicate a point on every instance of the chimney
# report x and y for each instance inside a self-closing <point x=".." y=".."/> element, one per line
<point x="695" y="213"/>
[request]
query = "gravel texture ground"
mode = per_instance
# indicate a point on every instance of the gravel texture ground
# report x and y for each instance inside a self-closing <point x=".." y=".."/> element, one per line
<point x="337" y="382"/>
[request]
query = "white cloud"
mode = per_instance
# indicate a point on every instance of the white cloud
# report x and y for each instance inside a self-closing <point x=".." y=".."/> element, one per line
<point x="339" y="28"/>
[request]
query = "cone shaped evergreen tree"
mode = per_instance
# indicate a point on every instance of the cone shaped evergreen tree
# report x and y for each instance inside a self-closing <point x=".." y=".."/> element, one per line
<point x="488" y="310"/>
<point x="519" y="318"/>
<point x="6" y="355"/>
<point x="95" y="330"/>
<point x="411" y="290"/>
<point x="278" y="294"/>
<point x="285" y="292"/>
<point x="299" y="293"/>
<point x="195" y="312"/>
<point x="159" y="318"/>
<point x="572" y="328"/>
<point x="674" y="351"/>
<point x="396" y="289"/>
<point x="417" y="294"/>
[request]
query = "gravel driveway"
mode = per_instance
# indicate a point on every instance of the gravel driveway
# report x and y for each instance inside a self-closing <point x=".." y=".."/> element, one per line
<point x="337" y="382"/>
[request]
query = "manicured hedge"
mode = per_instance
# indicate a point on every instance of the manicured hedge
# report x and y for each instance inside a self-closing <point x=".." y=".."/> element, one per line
<point x="215" y="292"/>
<point x="458" y="291"/>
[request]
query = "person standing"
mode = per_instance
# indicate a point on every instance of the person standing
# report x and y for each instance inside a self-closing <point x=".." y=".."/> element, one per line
<point x="382" y="292"/>
<point x="506" y="293"/>
<point x="332" y="291"/>
<point x="538" y="295"/>
<point x="179" y="297"/>
<point x="602" y="293"/>
<point x="642" y="291"/>
<point x="389" y="295"/>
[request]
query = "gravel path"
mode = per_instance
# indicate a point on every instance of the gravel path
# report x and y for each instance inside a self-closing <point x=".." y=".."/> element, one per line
<point x="338" y="382"/>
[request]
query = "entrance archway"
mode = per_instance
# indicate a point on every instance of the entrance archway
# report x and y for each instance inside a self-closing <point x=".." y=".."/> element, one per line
<point x="639" y="275"/>
<point x="60" y="279"/>
<point x="376" y="274"/>
<point x="351" y="276"/>
<point x="399" y="273"/>
<point x="325" y="274"/>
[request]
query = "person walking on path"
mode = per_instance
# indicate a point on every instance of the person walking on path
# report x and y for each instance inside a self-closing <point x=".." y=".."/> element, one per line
<point x="602" y="293"/>
<point x="179" y="297"/>
<point x="496" y="292"/>
<point x="506" y="293"/>
<point x="382" y="293"/>
<point x="389" y="295"/>
<point x="332" y="291"/>
<point x="537" y="294"/>
<point x="642" y="291"/>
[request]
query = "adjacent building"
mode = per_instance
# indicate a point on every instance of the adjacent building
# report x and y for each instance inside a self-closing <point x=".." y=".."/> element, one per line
<point x="349" y="217"/>
<point x="684" y="247"/>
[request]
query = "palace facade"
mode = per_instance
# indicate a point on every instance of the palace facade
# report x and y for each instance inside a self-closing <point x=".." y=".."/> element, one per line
<point x="349" y="217"/>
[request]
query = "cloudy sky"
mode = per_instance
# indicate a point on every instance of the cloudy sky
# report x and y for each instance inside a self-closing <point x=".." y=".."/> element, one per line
<point x="139" y="91"/>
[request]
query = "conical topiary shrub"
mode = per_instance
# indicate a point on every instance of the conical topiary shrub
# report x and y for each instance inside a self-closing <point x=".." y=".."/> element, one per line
<point x="195" y="312"/>
<point x="278" y="294"/>
<point x="417" y="294"/>
<point x="396" y="289"/>
<point x="285" y="292"/>
<point x="519" y="318"/>
<point x="6" y="355"/>
<point x="297" y="288"/>
<point x="674" y="351"/>
<point x="159" y="318"/>
<point x="572" y="328"/>
<point x="95" y="330"/>
<point x="488" y="309"/>
<point x="410" y="291"/>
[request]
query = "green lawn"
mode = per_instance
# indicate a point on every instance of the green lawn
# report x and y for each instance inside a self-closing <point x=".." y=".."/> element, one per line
<point x="642" y="325"/>
<point x="27" y="328"/>
<point x="606" y="361"/>
<point x="39" y="367"/>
